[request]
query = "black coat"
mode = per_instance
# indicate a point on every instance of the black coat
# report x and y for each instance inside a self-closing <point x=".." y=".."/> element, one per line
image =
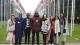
<point x="19" y="27"/>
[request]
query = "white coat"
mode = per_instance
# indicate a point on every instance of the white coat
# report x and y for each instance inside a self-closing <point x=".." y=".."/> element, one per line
<point x="10" y="25"/>
<point x="45" y="26"/>
<point x="57" y="26"/>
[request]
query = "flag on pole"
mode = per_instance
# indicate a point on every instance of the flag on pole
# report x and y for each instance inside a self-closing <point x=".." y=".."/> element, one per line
<point x="50" y="1"/>
<point x="42" y="1"/>
<point x="17" y="1"/>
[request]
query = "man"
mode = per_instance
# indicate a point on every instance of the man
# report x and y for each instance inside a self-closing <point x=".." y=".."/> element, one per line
<point x="36" y="27"/>
<point x="19" y="28"/>
<point x="27" y="28"/>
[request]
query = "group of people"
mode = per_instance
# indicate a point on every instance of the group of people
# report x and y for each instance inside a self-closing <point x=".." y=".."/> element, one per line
<point x="17" y="27"/>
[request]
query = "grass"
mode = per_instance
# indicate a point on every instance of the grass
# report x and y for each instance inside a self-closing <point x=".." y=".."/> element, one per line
<point x="75" y="36"/>
<point x="3" y="33"/>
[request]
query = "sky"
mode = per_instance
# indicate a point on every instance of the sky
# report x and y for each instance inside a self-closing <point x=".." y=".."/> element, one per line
<point x="30" y="5"/>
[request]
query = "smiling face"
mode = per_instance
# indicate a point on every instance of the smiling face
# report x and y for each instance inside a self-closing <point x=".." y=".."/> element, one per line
<point x="28" y="15"/>
<point x="13" y="17"/>
<point x="53" y="18"/>
<point x="20" y="14"/>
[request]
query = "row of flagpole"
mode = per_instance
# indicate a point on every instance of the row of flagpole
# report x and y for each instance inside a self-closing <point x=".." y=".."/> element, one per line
<point x="72" y="12"/>
<point x="3" y="9"/>
<point x="58" y="13"/>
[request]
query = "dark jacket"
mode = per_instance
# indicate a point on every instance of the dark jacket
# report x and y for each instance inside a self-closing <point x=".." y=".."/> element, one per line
<point x="29" y="19"/>
<point x="36" y="23"/>
<point x="19" y="27"/>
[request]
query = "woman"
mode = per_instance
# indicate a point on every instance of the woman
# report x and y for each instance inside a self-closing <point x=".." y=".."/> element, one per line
<point x="63" y="30"/>
<point x="45" y="28"/>
<point x="27" y="28"/>
<point x="57" y="29"/>
<point x="11" y="29"/>
<point x="52" y="32"/>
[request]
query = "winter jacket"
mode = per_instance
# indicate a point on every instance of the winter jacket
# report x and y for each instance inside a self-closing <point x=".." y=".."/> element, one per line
<point x="45" y="26"/>
<point x="10" y="26"/>
<point x="36" y="23"/>
<point x="57" y="26"/>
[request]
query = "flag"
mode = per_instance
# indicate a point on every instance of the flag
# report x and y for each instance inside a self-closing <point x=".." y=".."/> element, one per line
<point x="17" y="1"/>
<point x="42" y="1"/>
<point x="50" y="1"/>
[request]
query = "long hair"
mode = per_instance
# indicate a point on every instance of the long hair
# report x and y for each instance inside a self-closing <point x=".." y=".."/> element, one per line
<point x="43" y="17"/>
<point x="52" y="18"/>
<point x="62" y="16"/>
<point x="11" y="18"/>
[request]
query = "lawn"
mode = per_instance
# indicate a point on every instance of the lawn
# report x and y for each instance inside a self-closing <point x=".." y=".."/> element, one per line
<point x="3" y="33"/>
<point x="75" y="37"/>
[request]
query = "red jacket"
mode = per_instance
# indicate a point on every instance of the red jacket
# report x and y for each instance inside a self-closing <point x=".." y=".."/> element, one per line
<point x="53" y="26"/>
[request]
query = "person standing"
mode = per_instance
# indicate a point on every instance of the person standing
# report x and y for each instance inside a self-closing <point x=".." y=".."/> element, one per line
<point x="27" y="28"/>
<point x="63" y="30"/>
<point x="45" y="28"/>
<point x="36" y="27"/>
<point x="19" y="28"/>
<point x="11" y="29"/>
<point x="52" y="31"/>
<point x="57" y="29"/>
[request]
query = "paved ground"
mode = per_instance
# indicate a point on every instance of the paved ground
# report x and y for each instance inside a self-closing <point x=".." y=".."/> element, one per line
<point x="49" y="44"/>
<point x="72" y="44"/>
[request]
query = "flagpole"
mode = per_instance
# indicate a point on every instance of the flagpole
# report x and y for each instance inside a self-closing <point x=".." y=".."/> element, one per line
<point x="63" y="6"/>
<point x="54" y="7"/>
<point x="58" y="12"/>
<point x="10" y="7"/>
<point x="48" y="9"/>
<point x="67" y="10"/>
<point x="72" y="19"/>
<point x="4" y="12"/>
<point x="74" y="13"/>
<point x="1" y="13"/>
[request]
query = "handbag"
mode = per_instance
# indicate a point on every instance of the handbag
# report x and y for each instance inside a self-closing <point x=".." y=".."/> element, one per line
<point x="64" y="30"/>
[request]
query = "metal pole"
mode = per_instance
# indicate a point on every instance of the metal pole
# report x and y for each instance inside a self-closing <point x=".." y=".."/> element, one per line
<point x="8" y="10"/>
<point x="46" y="5"/>
<point x="4" y="12"/>
<point x="63" y="6"/>
<point x="1" y="12"/>
<point x="67" y="18"/>
<point x="57" y="36"/>
<point x="54" y="7"/>
<point x="13" y="8"/>
<point x="67" y="10"/>
<point x="48" y="9"/>
<point x="59" y="8"/>
<point x="72" y="16"/>
<point x="73" y="13"/>
<point x="72" y="19"/>
<point x="10" y="7"/>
